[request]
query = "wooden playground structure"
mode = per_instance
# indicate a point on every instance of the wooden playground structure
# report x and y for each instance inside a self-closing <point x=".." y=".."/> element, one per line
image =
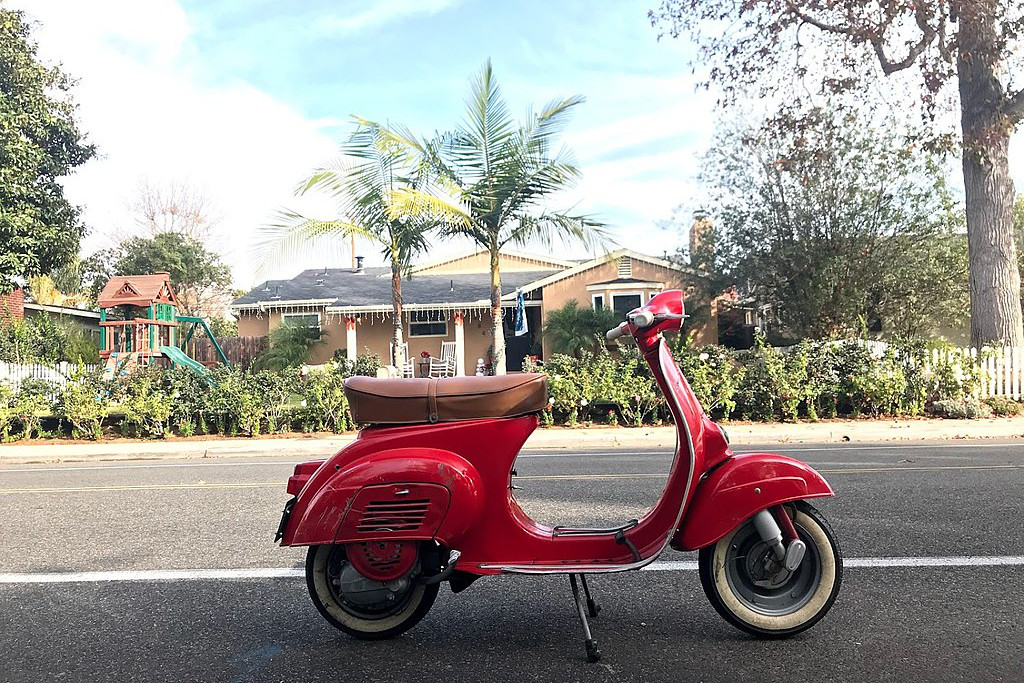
<point x="140" y="326"/>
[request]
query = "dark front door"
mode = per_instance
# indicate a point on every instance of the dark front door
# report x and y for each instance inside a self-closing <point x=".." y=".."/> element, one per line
<point x="517" y="348"/>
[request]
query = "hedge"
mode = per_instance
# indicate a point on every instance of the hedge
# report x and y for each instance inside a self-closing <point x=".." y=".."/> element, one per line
<point x="809" y="381"/>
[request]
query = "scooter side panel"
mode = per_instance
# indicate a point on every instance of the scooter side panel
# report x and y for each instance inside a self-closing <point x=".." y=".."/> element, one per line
<point x="342" y="484"/>
<point x="742" y="486"/>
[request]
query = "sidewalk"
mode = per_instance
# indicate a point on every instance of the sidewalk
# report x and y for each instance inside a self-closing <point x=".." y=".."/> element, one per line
<point x="598" y="438"/>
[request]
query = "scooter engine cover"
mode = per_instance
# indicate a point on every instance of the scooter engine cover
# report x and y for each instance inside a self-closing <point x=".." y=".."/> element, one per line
<point x="382" y="560"/>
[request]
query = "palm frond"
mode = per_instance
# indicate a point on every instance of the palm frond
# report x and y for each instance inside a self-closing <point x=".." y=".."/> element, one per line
<point x="294" y="235"/>
<point x="410" y="204"/>
<point x="550" y="227"/>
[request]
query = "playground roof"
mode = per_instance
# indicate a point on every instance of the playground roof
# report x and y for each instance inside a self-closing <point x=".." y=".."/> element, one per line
<point x="136" y="290"/>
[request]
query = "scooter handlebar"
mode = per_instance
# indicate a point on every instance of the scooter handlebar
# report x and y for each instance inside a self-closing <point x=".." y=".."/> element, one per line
<point x="616" y="332"/>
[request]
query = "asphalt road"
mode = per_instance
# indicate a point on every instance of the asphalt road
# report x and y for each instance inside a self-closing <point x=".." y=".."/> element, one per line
<point x="908" y="623"/>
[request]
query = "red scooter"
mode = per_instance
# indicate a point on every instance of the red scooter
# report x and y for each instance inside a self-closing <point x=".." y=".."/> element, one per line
<point x="424" y="495"/>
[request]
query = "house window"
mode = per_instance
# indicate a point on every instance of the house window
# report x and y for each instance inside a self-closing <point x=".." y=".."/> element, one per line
<point x="624" y="303"/>
<point x="427" y="324"/>
<point x="310" y="320"/>
<point x="598" y="302"/>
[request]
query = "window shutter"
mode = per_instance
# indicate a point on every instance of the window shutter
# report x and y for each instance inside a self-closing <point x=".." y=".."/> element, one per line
<point x="625" y="266"/>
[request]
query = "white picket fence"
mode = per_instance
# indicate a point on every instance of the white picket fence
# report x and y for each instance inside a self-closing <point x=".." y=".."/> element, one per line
<point x="1000" y="370"/>
<point x="13" y="374"/>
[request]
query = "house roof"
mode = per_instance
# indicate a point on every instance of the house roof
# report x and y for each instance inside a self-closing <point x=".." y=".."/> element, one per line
<point x="601" y="260"/>
<point x="541" y="261"/>
<point x="63" y="310"/>
<point x="134" y="290"/>
<point x="624" y="281"/>
<point x="345" y="289"/>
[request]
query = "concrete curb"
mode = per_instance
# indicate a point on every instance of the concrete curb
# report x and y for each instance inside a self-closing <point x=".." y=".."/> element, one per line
<point x="598" y="438"/>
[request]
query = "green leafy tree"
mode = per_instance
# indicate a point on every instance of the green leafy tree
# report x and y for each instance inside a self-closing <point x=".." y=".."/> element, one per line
<point x="200" y="279"/>
<point x="835" y="224"/>
<point x="290" y="347"/>
<point x="381" y="197"/>
<point x="572" y="329"/>
<point x="40" y="143"/>
<point x="44" y="339"/>
<point x="956" y="48"/>
<point x="501" y="173"/>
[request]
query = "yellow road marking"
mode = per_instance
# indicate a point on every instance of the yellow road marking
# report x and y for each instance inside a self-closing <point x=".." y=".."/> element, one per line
<point x="539" y="477"/>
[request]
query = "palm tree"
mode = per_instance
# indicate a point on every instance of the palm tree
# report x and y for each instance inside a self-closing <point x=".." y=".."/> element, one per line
<point x="572" y="329"/>
<point x="499" y="173"/>
<point x="290" y="346"/>
<point x="382" y="197"/>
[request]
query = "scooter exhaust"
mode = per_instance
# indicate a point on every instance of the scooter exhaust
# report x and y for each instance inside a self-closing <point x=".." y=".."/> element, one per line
<point x="453" y="559"/>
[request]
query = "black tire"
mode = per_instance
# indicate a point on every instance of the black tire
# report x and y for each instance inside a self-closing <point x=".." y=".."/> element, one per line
<point x="409" y="609"/>
<point x="800" y="598"/>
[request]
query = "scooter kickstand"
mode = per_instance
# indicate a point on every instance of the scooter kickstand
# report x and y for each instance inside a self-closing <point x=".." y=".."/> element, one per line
<point x="593" y="654"/>
<point x="592" y="607"/>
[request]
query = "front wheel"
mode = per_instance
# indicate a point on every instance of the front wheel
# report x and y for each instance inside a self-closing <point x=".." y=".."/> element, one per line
<point x="753" y="592"/>
<point x="359" y="606"/>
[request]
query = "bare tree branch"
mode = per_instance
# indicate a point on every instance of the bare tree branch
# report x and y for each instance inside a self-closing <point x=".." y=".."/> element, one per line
<point x="877" y="36"/>
<point x="1014" y="108"/>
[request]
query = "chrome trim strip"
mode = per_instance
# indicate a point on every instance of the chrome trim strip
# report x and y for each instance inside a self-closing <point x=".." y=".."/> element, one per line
<point x="616" y="568"/>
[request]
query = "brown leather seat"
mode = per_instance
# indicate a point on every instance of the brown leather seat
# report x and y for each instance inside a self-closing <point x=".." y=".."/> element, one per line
<point x="448" y="399"/>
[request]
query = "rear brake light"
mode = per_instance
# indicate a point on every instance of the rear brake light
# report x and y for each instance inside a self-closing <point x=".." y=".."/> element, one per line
<point x="303" y="471"/>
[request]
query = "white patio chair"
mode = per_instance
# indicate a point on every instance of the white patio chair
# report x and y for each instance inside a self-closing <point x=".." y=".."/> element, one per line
<point x="408" y="369"/>
<point x="445" y="365"/>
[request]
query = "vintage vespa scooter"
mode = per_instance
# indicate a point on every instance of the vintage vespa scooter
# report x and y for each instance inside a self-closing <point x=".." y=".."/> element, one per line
<point x="424" y="495"/>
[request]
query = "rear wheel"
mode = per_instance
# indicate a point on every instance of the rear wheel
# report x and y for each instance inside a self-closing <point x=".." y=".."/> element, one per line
<point x="359" y="606"/>
<point x="755" y="593"/>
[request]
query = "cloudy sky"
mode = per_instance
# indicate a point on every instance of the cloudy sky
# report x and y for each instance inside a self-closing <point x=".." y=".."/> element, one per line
<point x="242" y="98"/>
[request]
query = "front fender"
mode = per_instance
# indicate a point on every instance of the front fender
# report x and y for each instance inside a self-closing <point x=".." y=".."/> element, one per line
<point x="318" y="515"/>
<point x="741" y="487"/>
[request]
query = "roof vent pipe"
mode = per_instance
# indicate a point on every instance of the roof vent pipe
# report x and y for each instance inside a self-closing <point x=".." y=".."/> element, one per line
<point x="359" y="264"/>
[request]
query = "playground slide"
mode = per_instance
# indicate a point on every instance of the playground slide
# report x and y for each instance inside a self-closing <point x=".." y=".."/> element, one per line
<point x="179" y="357"/>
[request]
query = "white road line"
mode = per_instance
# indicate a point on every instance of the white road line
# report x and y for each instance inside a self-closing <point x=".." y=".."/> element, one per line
<point x="284" y="463"/>
<point x="290" y="572"/>
<point x="882" y="562"/>
<point x="154" y="575"/>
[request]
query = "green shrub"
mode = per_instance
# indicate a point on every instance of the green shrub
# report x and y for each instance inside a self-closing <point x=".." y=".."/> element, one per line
<point x="31" y="404"/>
<point x="145" y="405"/>
<point x="765" y="385"/>
<point x="6" y="411"/>
<point x="83" y="403"/>
<point x="1003" y="407"/>
<point x="365" y="365"/>
<point x="961" y="408"/>
<point x="189" y="393"/>
<point x="713" y="373"/>
<point x="323" y="404"/>
<point x="588" y="386"/>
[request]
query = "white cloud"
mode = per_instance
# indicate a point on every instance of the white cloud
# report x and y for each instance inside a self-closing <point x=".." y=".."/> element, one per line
<point x="382" y="13"/>
<point x="154" y="116"/>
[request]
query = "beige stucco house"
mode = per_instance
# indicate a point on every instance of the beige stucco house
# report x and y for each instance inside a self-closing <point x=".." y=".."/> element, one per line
<point x="449" y="300"/>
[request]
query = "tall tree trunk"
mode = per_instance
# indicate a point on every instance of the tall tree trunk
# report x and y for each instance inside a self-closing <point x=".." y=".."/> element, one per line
<point x="497" y="327"/>
<point x="994" y="277"/>
<point x="398" y="358"/>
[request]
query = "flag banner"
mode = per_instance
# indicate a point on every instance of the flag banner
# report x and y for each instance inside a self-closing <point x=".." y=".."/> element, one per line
<point x="522" y="327"/>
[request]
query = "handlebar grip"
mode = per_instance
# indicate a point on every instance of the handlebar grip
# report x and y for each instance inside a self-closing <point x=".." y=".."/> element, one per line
<point x="616" y="332"/>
